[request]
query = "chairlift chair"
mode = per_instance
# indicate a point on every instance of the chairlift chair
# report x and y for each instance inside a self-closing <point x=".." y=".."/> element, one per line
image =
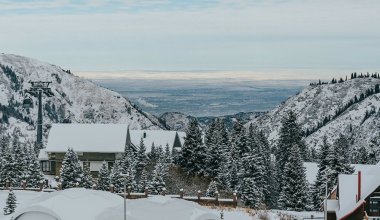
<point x="27" y="103"/>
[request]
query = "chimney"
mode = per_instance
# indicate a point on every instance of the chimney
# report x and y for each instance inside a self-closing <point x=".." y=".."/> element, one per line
<point x="359" y="185"/>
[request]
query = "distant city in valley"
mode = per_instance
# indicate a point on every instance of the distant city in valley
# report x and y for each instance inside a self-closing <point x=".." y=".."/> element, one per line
<point x="205" y="97"/>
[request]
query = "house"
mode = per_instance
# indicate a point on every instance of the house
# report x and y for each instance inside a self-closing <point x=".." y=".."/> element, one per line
<point x="357" y="196"/>
<point x="95" y="143"/>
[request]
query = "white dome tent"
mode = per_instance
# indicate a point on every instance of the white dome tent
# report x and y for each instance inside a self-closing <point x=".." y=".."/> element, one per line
<point x="84" y="204"/>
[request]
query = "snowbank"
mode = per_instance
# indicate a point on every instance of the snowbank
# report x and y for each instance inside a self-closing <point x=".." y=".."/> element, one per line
<point x="84" y="204"/>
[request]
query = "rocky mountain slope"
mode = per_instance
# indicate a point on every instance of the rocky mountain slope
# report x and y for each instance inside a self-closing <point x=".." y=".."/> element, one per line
<point x="75" y="98"/>
<point x="349" y="107"/>
<point x="179" y="121"/>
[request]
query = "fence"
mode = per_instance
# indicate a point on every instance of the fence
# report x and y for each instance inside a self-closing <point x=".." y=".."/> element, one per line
<point x="205" y="201"/>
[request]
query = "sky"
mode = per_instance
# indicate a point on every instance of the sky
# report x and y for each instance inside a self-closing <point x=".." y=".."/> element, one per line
<point x="185" y="38"/>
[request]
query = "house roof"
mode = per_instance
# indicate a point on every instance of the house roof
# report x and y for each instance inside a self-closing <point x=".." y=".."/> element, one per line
<point x="348" y="189"/>
<point x="87" y="137"/>
<point x="104" y="138"/>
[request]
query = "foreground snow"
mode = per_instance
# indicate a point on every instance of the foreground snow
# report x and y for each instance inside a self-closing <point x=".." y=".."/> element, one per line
<point x="82" y="204"/>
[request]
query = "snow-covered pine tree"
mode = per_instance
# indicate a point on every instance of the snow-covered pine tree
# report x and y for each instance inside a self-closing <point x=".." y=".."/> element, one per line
<point x="294" y="190"/>
<point x="143" y="181"/>
<point x="319" y="186"/>
<point x="115" y="177"/>
<point x="10" y="203"/>
<point x="33" y="172"/>
<point x="142" y="159"/>
<point x="268" y="170"/>
<point x="71" y="171"/>
<point x="223" y="139"/>
<point x="238" y="141"/>
<point x="290" y="135"/>
<point x="168" y="155"/>
<point x="224" y="175"/>
<point x="8" y="170"/>
<point x="103" y="177"/>
<point x="129" y="166"/>
<point x="87" y="180"/>
<point x="157" y="183"/>
<point x="234" y="175"/>
<point x="373" y="150"/>
<point x="212" y="188"/>
<point x="251" y="191"/>
<point x="21" y="160"/>
<point x="363" y="155"/>
<point x="272" y="198"/>
<point x="193" y="152"/>
<point x="338" y="161"/>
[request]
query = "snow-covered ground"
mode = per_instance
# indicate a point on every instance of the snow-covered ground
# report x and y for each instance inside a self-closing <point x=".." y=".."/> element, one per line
<point x="104" y="205"/>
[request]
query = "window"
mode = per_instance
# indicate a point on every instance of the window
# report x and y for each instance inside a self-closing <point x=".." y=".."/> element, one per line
<point x="110" y="165"/>
<point x="374" y="205"/>
<point x="45" y="166"/>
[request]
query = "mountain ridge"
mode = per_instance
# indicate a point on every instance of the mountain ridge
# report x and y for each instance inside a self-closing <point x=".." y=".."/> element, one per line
<point x="74" y="97"/>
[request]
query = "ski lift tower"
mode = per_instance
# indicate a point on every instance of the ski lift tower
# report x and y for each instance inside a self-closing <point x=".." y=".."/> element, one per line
<point x="37" y="89"/>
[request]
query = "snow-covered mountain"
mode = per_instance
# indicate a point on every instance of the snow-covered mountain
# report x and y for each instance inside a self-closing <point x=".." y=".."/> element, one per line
<point x="179" y="121"/>
<point x="331" y="109"/>
<point x="76" y="98"/>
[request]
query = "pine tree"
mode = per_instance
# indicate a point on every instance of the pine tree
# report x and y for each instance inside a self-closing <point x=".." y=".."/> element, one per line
<point x="363" y="155"/>
<point x="157" y="183"/>
<point x="142" y="159"/>
<point x="234" y="177"/>
<point x="115" y="177"/>
<point x="8" y="170"/>
<point x="21" y="160"/>
<point x="143" y="181"/>
<point x="251" y="193"/>
<point x="10" y="204"/>
<point x="129" y="166"/>
<point x="251" y="190"/>
<point x="294" y="190"/>
<point x="33" y="172"/>
<point x="212" y="189"/>
<point x="71" y="171"/>
<point x="104" y="177"/>
<point x="224" y="175"/>
<point x="168" y="155"/>
<point x="193" y="152"/>
<point x="338" y="161"/>
<point x="290" y="135"/>
<point x="319" y="186"/>
<point x="87" y="180"/>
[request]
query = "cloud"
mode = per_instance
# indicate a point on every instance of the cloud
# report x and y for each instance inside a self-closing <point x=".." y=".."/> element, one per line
<point x="146" y="104"/>
<point x="225" y="34"/>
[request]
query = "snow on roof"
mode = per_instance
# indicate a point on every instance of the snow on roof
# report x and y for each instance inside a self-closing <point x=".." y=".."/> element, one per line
<point x="42" y="155"/>
<point x="312" y="170"/>
<point x="85" y="204"/>
<point x="87" y="137"/>
<point x="160" y="138"/>
<point x="104" y="138"/>
<point x="348" y="188"/>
